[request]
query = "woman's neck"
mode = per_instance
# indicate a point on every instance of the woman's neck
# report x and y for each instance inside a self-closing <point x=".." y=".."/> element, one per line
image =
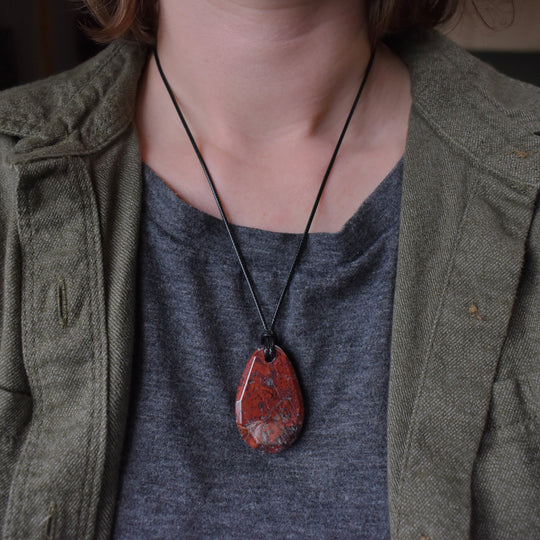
<point x="251" y="71"/>
<point x="266" y="86"/>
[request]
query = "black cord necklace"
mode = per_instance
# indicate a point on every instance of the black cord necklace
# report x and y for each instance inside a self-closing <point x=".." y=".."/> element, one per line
<point x="269" y="407"/>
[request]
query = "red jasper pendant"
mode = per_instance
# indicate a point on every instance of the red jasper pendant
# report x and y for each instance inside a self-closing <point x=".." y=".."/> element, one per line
<point x="269" y="405"/>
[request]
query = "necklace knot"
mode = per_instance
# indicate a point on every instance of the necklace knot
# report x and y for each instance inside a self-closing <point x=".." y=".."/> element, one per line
<point x="268" y="341"/>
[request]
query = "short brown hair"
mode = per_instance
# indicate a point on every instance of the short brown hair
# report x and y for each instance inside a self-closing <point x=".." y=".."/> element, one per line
<point x="137" y="19"/>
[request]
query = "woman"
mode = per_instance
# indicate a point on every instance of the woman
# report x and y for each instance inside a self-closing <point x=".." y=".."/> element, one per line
<point x="416" y="413"/>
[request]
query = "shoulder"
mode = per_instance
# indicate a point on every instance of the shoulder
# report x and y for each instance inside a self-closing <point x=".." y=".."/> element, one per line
<point x="441" y="70"/>
<point x="433" y="57"/>
<point x="487" y="118"/>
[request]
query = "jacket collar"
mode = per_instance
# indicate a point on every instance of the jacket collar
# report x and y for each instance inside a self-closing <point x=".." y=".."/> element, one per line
<point x="485" y="118"/>
<point x="77" y="112"/>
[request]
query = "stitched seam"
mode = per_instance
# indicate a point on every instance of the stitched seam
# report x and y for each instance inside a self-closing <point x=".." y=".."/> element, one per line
<point x="86" y="486"/>
<point x="92" y="241"/>
<point x="102" y="374"/>
<point x="425" y="364"/>
<point x="39" y="378"/>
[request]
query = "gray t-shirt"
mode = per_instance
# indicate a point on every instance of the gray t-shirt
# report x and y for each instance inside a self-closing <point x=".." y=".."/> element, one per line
<point x="186" y="471"/>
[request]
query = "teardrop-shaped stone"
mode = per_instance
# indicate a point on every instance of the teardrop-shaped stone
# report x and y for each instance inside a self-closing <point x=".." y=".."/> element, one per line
<point x="269" y="405"/>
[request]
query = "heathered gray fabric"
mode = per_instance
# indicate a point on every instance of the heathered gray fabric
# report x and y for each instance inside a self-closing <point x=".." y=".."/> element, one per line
<point x="186" y="470"/>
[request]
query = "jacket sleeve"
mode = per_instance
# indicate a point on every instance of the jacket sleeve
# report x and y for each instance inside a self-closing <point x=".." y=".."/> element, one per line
<point x="15" y="399"/>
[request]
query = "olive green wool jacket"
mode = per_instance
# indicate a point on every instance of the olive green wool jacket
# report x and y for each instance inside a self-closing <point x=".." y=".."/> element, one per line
<point x="464" y="395"/>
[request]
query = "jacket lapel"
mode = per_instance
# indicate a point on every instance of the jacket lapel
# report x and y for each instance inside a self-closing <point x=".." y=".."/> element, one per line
<point x="466" y="212"/>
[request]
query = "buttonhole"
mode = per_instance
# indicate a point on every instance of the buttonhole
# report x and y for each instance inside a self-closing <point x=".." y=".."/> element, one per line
<point x="50" y="523"/>
<point x="62" y="306"/>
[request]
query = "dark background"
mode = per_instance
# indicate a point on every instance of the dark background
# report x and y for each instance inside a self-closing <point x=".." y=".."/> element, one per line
<point x="39" y="38"/>
<point x="42" y="37"/>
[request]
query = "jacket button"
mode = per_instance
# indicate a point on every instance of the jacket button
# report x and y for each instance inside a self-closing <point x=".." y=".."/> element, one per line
<point x="424" y="537"/>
